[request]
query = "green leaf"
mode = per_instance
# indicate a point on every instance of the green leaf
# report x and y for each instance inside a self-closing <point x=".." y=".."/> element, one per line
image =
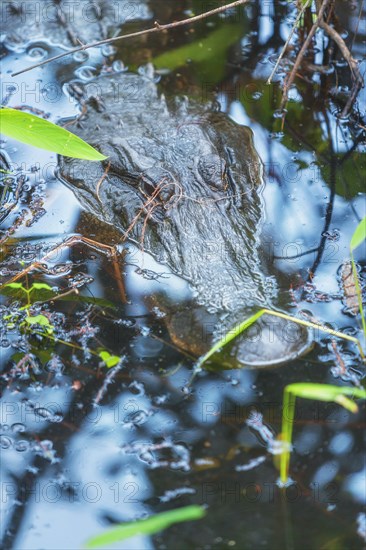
<point x="148" y="526"/>
<point x="41" y="133"/>
<point x="359" y="235"/>
<point x="41" y="320"/>
<point x="108" y="359"/>
<point x="14" y="285"/>
<point x="40" y="286"/>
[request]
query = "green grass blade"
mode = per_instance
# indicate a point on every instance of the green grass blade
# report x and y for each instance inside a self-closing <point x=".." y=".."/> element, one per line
<point x="323" y="392"/>
<point x="41" y="133"/>
<point x="229" y="336"/>
<point x="318" y="392"/>
<point x="148" y="526"/>
<point x="359" y="235"/>
<point x="288" y="413"/>
<point x="237" y="330"/>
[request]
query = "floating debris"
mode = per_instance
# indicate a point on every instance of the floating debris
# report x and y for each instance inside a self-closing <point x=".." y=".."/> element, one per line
<point x="251" y="464"/>
<point x="176" y="493"/>
<point x="179" y="458"/>
<point x="349" y="289"/>
<point x="107" y="380"/>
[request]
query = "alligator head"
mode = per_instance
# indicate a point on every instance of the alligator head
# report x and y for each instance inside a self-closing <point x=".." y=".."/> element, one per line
<point x="181" y="180"/>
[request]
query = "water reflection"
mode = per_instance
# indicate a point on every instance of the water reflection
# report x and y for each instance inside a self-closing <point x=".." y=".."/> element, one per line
<point x="73" y="463"/>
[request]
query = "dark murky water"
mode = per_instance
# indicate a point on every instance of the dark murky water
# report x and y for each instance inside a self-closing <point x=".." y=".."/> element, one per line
<point x="79" y="451"/>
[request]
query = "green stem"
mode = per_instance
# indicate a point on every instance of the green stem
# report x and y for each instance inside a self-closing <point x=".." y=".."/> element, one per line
<point x="288" y="413"/>
<point x="70" y="345"/>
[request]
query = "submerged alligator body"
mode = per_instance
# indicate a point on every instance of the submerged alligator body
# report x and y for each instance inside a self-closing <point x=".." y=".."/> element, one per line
<point x="184" y="182"/>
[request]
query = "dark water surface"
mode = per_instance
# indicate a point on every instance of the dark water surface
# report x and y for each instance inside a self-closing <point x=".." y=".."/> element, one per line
<point x="79" y="453"/>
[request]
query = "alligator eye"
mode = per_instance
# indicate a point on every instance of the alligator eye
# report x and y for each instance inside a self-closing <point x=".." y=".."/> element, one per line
<point x="212" y="169"/>
<point x="158" y="184"/>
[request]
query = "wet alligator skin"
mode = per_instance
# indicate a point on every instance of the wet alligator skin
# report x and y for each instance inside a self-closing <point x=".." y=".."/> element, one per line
<point x="184" y="182"/>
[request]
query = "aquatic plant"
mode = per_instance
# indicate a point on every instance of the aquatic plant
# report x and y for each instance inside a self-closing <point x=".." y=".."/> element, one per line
<point x="236" y="331"/>
<point x="40" y="324"/>
<point x="318" y="392"/>
<point x="148" y="526"/>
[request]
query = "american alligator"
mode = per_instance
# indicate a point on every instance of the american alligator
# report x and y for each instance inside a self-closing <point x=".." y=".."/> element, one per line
<point x="184" y="182"/>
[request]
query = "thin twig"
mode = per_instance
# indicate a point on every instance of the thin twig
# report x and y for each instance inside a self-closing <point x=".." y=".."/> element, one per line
<point x="287" y="41"/>
<point x="302" y="52"/>
<point x="156" y="28"/>
<point x="105" y="174"/>
<point x="353" y="65"/>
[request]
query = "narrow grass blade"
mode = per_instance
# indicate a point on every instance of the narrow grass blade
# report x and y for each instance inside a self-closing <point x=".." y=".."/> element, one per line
<point x="323" y="392"/>
<point x="237" y="330"/>
<point x="318" y="392"/>
<point x="229" y="336"/>
<point x="148" y="526"/>
<point x="359" y="235"/>
<point x="288" y="413"/>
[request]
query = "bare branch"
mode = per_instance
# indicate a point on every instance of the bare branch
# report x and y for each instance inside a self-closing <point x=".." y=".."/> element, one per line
<point x="353" y="65"/>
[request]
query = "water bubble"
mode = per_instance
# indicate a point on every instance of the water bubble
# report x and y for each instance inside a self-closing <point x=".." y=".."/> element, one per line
<point x="80" y="56"/>
<point x="118" y="66"/>
<point x="85" y="73"/>
<point x="46" y="414"/>
<point x="257" y="95"/>
<point x="42" y="413"/>
<point x="137" y="388"/>
<point x="341" y="63"/>
<point x="11" y="89"/>
<point x="158" y="312"/>
<point x="136" y="418"/>
<point x="279" y="113"/>
<point x="276" y="135"/>
<point x="108" y="50"/>
<point x="5" y="442"/>
<point x="17" y="427"/>
<point x="37" y="53"/>
<point x="22" y="446"/>
<point x="144" y="331"/>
